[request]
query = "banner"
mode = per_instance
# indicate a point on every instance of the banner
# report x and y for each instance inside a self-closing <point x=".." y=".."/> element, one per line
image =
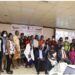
<point x="27" y="30"/>
<point x="65" y="33"/>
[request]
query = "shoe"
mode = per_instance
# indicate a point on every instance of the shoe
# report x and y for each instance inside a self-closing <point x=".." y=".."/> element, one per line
<point x="37" y="73"/>
<point x="2" y="71"/>
<point x="46" y="72"/>
<point x="26" y="66"/>
<point x="30" y="66"/>
<point x="10" y="72"/>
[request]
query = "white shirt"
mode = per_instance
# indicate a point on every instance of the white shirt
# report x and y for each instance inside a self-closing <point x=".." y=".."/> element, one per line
<point x="29" y="51"/>
<point x="40" y="54"/>
<point x="35" y="43"/>
<point x="12" y="48"/>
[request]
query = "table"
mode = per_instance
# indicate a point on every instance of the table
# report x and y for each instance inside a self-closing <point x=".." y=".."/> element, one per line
<point x="60" y="68"/>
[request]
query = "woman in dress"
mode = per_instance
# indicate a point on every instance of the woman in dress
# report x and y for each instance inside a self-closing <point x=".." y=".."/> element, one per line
<point x="10" y="49"/>
<point x="17" y="49"/>
<point x="72" y="55"/>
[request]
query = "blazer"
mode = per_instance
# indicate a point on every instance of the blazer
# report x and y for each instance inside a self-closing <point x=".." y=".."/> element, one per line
<point x="37" y="55"/>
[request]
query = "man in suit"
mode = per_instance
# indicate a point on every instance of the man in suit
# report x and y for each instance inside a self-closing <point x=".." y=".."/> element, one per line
<point x="40" y="64"/>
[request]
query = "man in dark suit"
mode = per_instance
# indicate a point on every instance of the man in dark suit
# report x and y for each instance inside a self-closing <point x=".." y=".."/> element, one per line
<point x="40" y="62"/>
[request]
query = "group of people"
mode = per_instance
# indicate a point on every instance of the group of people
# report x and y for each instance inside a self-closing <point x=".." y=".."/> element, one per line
<point x="18" y="49"/>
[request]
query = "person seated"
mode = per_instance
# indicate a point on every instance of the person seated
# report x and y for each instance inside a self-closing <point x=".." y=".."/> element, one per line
<point x="61" y="56"/>
<point x="29" y="54"/>
<point x="52" y="56"/>
<point x="41" y="61"/>
<point x="72" y="55"/>
<point x="10" y="50"/>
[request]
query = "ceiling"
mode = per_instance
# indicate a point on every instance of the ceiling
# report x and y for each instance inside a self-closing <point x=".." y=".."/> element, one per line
<point x="50" y="14"/>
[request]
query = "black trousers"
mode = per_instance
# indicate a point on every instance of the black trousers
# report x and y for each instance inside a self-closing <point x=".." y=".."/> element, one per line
<point x="40" y="66"/>
<point x="35" y="50"/>
<point x="1" y="56"/>
<point x="8" y="63"/>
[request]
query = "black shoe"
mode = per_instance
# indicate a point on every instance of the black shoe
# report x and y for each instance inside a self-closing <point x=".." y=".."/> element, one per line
<point x="4" y="68"/>
<point x="26" y="66"/>
<point x="10" y="72"/>
<point x="30" y="66"/>
<point x="46" y="73"/>
<point x="2" y="71"/>
<point x="37" y="73"/>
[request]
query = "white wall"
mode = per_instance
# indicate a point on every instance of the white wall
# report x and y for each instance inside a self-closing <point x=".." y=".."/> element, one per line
<point x="65" y="33"/>
<point x="5" y="27"/>
<point x="47" y="32"/>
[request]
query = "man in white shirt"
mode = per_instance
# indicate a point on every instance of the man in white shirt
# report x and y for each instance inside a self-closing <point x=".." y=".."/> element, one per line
<point x="40" y="54"/>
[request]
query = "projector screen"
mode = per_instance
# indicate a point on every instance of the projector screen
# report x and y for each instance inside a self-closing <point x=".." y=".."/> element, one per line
<point x="65" y="33"/>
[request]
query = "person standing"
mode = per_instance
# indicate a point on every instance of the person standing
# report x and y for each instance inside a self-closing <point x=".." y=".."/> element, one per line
<point x="41" y="41"/>
<point x="72" y="43"/>
<point x="17" y="49"/>
<point x="66" y="46"/>
<point x="1" y="52"/>
<point x="54" y="43"/>
<point x="35" y="46"/>
<point x="22" y="47"/>
<point x="35" y="49"/>
<point x="58" y="48"/>
<point x="10" y="49"/>
<point x="4" y="38"/>
<point x="72" y="54"/>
